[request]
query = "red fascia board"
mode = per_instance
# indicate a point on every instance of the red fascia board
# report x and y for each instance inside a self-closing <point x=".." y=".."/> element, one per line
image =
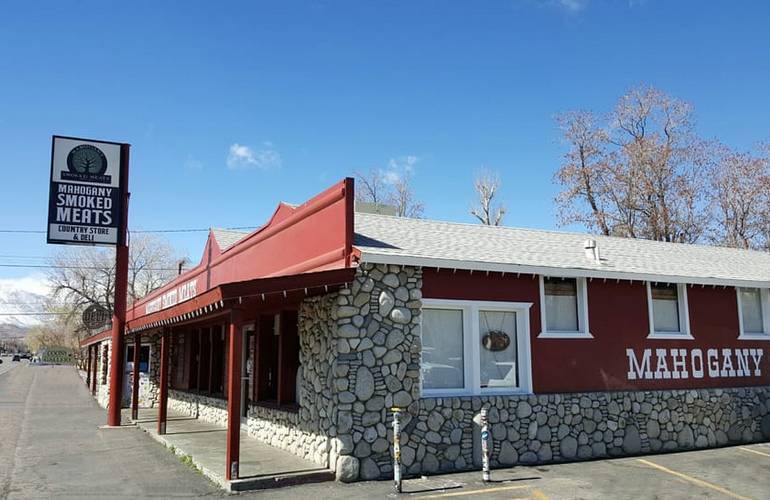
<point x="302" y="212"/>
<point x="281" y="220"/>
<point x="207" y="298"/>
<point x="96" y="338"/>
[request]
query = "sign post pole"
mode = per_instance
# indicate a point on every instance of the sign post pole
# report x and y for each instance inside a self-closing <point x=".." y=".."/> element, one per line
<point x="119" y="306"/>
<point x="484" y="446"/>
<point x="396" y="450"/>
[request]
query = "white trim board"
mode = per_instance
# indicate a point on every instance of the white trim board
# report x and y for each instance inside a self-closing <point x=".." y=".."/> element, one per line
<point x="378" y="258"/>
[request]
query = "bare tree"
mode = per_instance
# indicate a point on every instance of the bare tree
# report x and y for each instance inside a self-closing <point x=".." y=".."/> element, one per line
<point x="59" y="331"/>
<point x="740" y="184"/>
<point x="371" y="186"/>
<point x="393" y="189"/>
<point x="487" y="184"/>
<point x="640" y="174"/>
<point x="81" y="276"/>
<point x="402" y="197"/>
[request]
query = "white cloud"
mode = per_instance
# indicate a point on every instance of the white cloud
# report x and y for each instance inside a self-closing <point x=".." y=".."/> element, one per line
<point x="573" y="5"/>
<point x="246" y="157"/>
<point x="37" y="284"/>
<point x="398" y="168"/>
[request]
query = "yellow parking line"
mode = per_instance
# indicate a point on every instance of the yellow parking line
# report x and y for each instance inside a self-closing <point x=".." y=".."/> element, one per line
<point x="693" y="480"/>
<point x="476" y="492"/>
<point x="539" y="495"/>
<point x="755" y="451"/>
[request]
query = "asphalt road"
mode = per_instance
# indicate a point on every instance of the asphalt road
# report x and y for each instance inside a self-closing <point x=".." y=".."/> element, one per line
<point x="51" y="446"/>
<point x="7" y="365"/>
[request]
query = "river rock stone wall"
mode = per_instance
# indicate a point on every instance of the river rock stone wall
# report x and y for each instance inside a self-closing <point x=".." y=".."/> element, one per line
<point x="564" y="427"/>
<point x="103" y="374"/>
<point x="208" y="409"/>
<point x="377" y="367"/>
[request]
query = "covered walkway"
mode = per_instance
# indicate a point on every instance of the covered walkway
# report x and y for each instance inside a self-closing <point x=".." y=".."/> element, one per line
<point x="261" y="465"/>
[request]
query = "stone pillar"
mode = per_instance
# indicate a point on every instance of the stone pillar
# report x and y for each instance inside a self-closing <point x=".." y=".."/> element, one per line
<point x="377" y="366"/>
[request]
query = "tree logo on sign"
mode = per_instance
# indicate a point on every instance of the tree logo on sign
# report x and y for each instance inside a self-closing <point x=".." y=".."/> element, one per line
<point x="86" y="163"/>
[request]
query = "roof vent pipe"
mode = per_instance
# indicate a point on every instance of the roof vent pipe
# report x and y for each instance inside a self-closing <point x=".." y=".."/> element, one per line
<point x="591" y="250"/>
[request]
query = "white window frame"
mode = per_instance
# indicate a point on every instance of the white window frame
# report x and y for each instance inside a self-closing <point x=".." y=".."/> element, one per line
<point x="765" y="299"/>
<point x="471" y="347"/>
<point x="684" y="315"/>
<point x="583" y="331"/>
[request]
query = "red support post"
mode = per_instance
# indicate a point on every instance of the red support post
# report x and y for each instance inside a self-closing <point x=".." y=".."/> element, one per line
<point x="233" y="396"/>
<point x="135" y="377"/>
<point x="95" y="348"/>
<point x="88" y="367"/>
<point x="119" y="306"/>
<point x="165" y="340"/>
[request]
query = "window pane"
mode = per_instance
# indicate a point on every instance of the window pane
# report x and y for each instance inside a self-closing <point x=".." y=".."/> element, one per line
<point x="665" y="308"/>
<point x="561" y="305"/>
<point x="442" y="349"/>
<point x="751" y="309"/>
<point x="497" y="334"/>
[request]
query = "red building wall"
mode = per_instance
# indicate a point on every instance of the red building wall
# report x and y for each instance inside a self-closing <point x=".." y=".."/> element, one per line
<point x="618" y="318"/>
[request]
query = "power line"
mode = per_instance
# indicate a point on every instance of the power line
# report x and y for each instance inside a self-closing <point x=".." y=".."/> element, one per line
<point x="33" y="314"/>
<point x="183" y="230"/>
<point x="46" y="266"/>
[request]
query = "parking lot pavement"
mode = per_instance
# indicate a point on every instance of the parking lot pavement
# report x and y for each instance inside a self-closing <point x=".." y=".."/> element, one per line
<point x="51" y="446"/>
<point x="739" y="472"/>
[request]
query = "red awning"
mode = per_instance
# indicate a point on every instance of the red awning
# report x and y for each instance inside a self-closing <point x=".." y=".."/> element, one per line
<point x="229" y="295"/>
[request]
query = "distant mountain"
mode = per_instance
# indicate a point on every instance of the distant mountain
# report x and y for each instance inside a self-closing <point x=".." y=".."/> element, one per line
<point x="11" y="331"/>
<point x="19" y="300"/>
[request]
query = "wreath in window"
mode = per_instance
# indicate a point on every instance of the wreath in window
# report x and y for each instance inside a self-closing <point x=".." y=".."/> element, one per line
<point x="496" y="340"/>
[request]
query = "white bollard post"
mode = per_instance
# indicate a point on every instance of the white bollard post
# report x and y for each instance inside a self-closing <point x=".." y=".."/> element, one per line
<point x="396" y="449"/>
<point x="484" y="445"/>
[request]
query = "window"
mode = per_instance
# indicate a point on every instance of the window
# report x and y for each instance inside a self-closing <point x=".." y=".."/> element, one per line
<point x="564" y="308"/>
<point x="442" y="349"/>
<point x="669" y="317"/>
<point x="144" y="357"/>
<point x="474" y="347"/>
<point x="754" y="313"/>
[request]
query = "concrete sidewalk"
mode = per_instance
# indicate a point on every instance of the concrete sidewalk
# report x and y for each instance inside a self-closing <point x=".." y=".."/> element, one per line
<point x="261" y="465"/>
<point x="51" y="445"/>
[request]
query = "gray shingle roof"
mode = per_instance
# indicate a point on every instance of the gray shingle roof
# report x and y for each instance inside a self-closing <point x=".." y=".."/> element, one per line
<point x="474" y="246"/>
<point x="228" y="237"/>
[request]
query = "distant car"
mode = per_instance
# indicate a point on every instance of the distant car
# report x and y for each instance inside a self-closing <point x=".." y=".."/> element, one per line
<point x="16" y="357"/>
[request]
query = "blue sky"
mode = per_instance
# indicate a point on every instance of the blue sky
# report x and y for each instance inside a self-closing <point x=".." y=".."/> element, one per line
<point x="298" y="95"/>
